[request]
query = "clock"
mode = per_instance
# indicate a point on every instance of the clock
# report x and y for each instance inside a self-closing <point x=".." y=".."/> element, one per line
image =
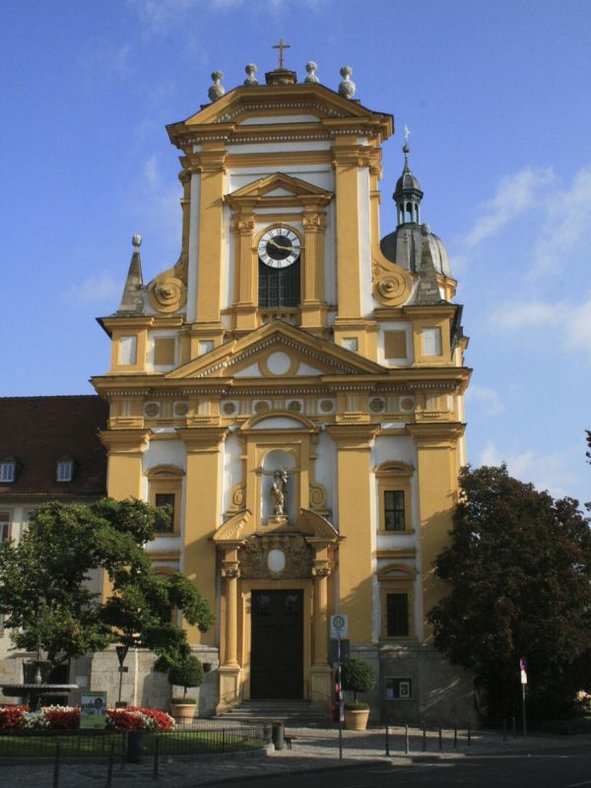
<point x="279" y="247"/>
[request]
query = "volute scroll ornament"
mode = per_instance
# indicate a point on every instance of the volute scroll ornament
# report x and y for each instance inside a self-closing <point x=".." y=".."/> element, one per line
<point x="168" y="294"/>
<point x="391" y="284"/>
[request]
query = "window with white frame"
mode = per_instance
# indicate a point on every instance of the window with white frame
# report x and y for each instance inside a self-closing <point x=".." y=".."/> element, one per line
<point x="7" y="469"/>
<point x="65" y="469"/>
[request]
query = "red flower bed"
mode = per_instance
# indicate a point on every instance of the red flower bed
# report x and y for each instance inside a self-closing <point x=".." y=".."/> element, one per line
<point x="11" y="716"/>
<point x="140" y="718"/>
<point x="62" y="717"/>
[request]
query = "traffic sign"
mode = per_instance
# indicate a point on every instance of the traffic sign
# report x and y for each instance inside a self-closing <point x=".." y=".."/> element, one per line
<point x="339" y="626"/>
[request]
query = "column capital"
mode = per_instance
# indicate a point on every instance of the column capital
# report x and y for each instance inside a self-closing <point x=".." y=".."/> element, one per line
<point x="125" y="441"/>
<point x="353" y="436"/>
<point x="438" y="435"/>
<point x="203" y="439"/>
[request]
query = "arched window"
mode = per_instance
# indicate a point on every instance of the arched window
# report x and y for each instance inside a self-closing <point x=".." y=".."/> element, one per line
<point x="279" y="287"/>
<point x="165" y="484"/>
<point x="394" y="494"/>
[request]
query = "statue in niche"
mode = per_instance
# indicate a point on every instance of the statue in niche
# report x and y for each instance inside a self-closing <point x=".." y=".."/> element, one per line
<point x="279" y="492"/>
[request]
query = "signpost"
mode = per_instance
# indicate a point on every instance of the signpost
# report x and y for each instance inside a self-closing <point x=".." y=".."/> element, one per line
<point x="121" y="654"/>
<point x="339" y="626"/>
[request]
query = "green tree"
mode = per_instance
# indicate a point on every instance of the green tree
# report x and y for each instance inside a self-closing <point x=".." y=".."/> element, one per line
<point x="45" y="583"/>
<point x="519" y="570"/>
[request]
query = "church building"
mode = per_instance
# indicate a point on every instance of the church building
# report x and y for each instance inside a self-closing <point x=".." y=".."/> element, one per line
<point x="293" y="387"/>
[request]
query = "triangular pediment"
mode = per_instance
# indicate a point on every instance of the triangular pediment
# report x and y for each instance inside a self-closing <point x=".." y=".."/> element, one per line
<point x="279" y="184"/>
<point x="276" y="351"/>
<point x="249" y="109"/>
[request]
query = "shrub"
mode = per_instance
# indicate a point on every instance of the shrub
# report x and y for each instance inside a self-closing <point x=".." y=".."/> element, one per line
<point x="357" y="676"/>
<point x="188" y="673"/>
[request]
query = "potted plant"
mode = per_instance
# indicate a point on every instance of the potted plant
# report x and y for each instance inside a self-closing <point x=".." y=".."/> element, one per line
<point x="357" y="676"/>
<point x="187" y="673"/>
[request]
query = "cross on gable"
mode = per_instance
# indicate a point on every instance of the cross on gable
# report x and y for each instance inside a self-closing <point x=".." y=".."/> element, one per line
<point x="281" y="46"/>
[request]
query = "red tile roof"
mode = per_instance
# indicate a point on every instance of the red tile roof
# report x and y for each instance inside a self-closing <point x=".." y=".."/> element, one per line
<point x="37" y="431"/>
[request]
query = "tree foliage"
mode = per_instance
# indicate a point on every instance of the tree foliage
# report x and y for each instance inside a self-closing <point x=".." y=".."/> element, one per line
<point x="357" y="676"/>
<point x="187" y="673"/>
<point x="46" y="582"/>
<point x="519" y="567"/>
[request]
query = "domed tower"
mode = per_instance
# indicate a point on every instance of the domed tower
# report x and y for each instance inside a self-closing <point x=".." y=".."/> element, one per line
<point x="413" y="246"/>
<point x="408" y="194"/>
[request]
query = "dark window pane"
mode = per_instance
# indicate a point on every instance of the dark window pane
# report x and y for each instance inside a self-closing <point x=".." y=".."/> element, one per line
<point x="279" y="286"/>
<point x="397" y="615"/>
<point x="166" y="499"/>
<point x="394" y="510"/>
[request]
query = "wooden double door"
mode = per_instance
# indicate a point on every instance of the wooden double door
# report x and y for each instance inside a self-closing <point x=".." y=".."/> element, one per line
<point x="277" y="644"/>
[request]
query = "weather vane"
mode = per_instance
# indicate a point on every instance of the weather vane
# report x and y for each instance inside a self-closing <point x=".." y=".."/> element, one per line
<point x="281" y="46"/>
<point x="406" y="133"/>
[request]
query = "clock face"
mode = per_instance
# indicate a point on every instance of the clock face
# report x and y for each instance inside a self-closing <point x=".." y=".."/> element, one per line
<point x="279" y="247"/>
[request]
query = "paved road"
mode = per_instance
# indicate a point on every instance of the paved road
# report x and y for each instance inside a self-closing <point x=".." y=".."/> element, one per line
<point x="490" y="762"/>
<point x="537" y="771"/>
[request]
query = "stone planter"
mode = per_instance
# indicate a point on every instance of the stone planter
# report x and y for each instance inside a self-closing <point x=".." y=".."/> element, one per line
<point x="183" y="711"/>
<point x="356" y="719"/>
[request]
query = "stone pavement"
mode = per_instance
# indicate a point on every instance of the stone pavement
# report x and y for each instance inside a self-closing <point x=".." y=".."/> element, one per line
<point x="312" y="749"/>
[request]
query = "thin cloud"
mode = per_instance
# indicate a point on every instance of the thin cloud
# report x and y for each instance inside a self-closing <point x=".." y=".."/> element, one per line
<point x="569" y="321"/>
<point x="95" y="289"/>
<point x="486" y="399"/>
<point x="567" y="230"/>
<point x="545" y="471"/>
<point x="514" y="195"/>
<point x="159" y="15"/>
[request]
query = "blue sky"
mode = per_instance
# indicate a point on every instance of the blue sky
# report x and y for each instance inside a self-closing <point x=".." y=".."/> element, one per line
<point x="496" y="96"/>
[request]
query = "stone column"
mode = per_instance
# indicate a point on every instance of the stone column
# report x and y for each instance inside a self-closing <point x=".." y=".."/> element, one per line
<point x="229" y="670"/>
<point x="320" y="674"/>
<point x="202" y="514"/>
<point x="314" y="308"/>
<point x="356" y="553"/>
<point x="245" y="270"/>
<point x="437" y="476"/>
<point x="210" y="163"/>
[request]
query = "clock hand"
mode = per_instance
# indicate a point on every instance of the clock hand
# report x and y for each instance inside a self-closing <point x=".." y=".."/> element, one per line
<point x="274" y="243"/>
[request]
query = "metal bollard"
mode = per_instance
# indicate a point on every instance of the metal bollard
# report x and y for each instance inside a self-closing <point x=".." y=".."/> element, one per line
<point x="387" y="742"/>
<point x="469" y="735"/>
<point x="135" y="740"/>
<point x="424" y="738"/>
<point x="56" y="767"/>
<point x="455" y="737"/>
<point x="110" y="766"/>
<point x="504" y="730"/>
<point x="440" y="738"/>
<point x="278" y="735"/>
<point x="406" y="741"/>
<point x="156" y="757"/>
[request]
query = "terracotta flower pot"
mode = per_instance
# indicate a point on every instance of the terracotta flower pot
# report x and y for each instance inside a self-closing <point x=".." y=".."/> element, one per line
<point x="356" y="719"/>
<point x="183" y="711"/>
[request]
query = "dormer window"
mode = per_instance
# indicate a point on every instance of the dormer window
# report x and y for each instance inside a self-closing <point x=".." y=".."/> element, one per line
<point x="7" y="469"/>
<point x="65" y="469"/>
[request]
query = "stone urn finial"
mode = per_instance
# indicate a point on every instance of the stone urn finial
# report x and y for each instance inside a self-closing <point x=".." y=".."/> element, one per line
<point x="312" y="68"/>
<point x="136" y="241"/>
<point x="251" y="75"/>
<point x="217" y="90"/>
<point x="347" y="87"/>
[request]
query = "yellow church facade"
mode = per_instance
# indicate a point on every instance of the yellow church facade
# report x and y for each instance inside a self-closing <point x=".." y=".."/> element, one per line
<point x="293" y="387"/>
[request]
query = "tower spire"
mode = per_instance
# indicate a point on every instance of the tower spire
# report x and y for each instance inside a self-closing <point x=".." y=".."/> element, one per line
<point x="131" y="300"/>
<point x="407" y="194"/>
